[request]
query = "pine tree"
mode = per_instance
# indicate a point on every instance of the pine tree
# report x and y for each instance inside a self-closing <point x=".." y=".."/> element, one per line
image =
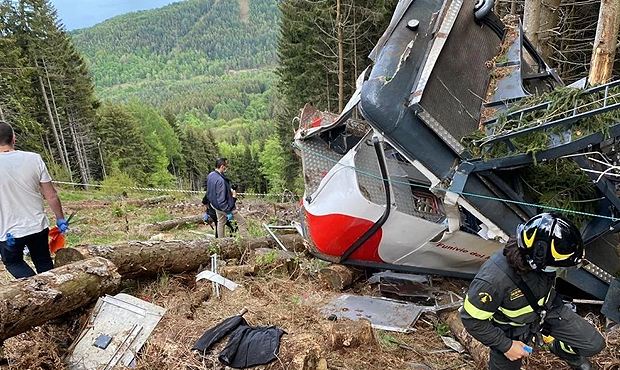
<point x="121" y="141"/>
<point x="322" y="47"/>
<point x="16" y="105"/>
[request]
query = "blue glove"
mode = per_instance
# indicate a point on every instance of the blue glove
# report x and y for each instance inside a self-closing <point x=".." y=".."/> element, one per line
<point x="10" y="240"/>
<point x="63" y="225"/>
<point x="206" y="217"/>
<point x="230" y="216"/>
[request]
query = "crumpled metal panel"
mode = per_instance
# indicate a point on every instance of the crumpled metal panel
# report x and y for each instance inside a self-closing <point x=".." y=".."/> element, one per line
<point x="383" y="313"/>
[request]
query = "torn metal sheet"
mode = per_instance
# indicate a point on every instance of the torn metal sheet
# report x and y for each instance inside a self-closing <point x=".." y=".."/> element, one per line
<point x="404" y="286"/>
<point x="117" y="329"/>
<point x="453" y="344"/>
<point x="216" y="278"/>
<point x="376" y="278"/>
<point x="383" y="313"/>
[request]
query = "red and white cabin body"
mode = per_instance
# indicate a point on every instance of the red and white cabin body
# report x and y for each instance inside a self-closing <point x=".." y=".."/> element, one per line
<point x="425" y="229"/>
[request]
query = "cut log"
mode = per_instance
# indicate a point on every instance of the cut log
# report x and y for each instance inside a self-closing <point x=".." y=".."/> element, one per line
<point x="232" y="271"/>
<point x="136" y="259"/>
<point x="171" y="224"/>
<point x="150" y="201"/>
<point x="338" y="277"/>
<point x="478" y="351"/>
<point x="30" y="302"/>
<point x="350" y="334"/>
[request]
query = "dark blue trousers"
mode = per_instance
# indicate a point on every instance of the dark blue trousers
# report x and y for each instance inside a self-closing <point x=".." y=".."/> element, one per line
<point x="38" y="245"/>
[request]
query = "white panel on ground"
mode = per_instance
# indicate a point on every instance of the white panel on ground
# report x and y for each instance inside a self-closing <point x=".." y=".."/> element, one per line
<point x="117" y="329"/>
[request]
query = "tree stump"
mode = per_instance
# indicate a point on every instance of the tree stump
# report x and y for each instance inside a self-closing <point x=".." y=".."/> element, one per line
<point x="338" y="277"/>
<point x="350" y="334"/>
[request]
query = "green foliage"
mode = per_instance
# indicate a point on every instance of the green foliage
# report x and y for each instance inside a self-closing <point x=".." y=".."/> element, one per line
<point x="159" y="216"/>
<point x="244" y="165"/>
<point x="158" y="133"/>
<point x="442" y="329"/>
<point x="267" y="258"/>
<point x="272" y="164"/>
<point x="117" y="181"/>
<point x="562" y="103"/>
<point x="122" y="141"/>
<point x="181" y="41"/>
<point x="57" y="171"/>
<point x="561" y="184"/>
<point x="308" y="69"/>
<point x="255" y="228"/>
<point x="118" y="210"/>
<point x="202" y="93"/>
<point x="40" y="68"/>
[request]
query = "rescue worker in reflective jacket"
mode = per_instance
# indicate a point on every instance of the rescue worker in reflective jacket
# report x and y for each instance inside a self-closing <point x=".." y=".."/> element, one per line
<point x="498" y="313"/>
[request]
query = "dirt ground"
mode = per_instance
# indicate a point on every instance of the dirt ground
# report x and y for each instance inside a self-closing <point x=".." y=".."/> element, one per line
<point x="276" y="295"/>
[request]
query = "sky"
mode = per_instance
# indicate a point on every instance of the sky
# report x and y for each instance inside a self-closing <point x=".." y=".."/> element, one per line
<point x="85" y="13"/>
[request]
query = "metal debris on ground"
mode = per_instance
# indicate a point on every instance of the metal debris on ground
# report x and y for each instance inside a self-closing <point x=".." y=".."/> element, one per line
<point x="453" y="344"/>
<point x="416" y="288"/>
<point x="269" y="227"/>
<point x="414" y="278"/>
<point x="216" y="286"/>
<point x="118" y="327"/>
<point x="216" y="278"/>
<point x="383" y="313"/>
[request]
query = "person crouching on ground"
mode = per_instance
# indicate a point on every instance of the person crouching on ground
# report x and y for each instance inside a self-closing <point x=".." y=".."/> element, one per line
<point x="512" y="303"/>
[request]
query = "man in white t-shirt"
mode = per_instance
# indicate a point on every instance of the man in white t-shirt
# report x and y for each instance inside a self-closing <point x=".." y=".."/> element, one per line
<point x="24" y="182"/>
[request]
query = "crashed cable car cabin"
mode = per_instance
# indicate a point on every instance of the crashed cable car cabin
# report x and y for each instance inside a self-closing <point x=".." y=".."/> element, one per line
<point x="390" y="184"/>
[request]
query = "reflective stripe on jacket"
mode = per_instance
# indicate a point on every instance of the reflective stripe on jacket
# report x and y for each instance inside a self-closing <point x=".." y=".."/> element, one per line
<point x="495" y="303"/>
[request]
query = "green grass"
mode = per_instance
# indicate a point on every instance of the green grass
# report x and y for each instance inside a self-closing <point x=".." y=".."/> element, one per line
<point x="75" y="195"/>
<point x="267" y="258"/>
<point x="255" y="229"/>
<point x="159" y="216"/>
<point x="386" y="340"/>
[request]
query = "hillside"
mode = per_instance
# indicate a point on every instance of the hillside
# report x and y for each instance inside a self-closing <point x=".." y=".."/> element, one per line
<point x="133" y="55"/>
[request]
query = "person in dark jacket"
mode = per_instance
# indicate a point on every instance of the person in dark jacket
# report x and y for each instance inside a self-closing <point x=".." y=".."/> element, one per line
<point x="222" y="198"/>
<point x="210" y="217"/>
<point x="498" y="313"/>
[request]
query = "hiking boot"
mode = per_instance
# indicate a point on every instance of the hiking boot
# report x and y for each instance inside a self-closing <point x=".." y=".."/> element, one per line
<point x="574" y="361"/>
<point x="581" y="364"/>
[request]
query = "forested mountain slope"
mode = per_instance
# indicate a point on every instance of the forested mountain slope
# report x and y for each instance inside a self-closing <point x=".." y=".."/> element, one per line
<point x="130" y="55"/>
